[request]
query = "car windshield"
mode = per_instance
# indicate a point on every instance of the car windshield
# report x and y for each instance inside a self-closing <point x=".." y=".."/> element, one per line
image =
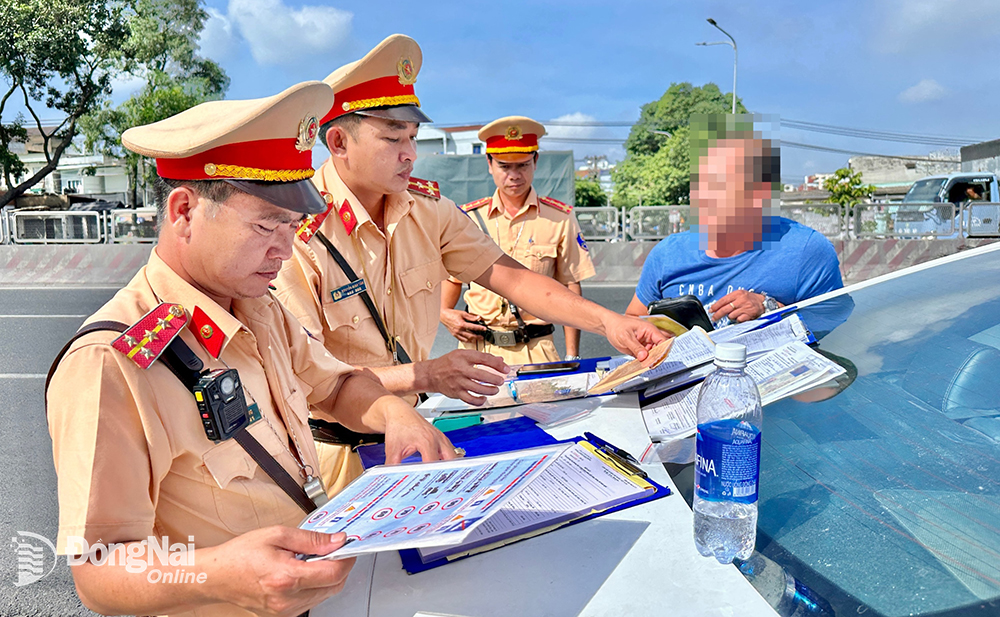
<point x="885" y="497"/>
<point x="925" y="191"/>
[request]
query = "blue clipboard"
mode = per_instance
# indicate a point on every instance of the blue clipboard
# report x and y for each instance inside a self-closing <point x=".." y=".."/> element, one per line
<point x="503" y="436"/>
<point x="491" y="438"/>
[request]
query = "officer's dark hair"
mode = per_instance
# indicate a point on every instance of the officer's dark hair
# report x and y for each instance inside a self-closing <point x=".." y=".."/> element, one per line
<point x="489" y="157"/>
<point x="348" y="122"/>
<point x="213" y="190"/>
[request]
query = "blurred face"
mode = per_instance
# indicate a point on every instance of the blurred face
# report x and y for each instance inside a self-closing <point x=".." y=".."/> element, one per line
<point x="235" y="249"/>
<point x="724" y="192"/>
<point x="513" y="179"/>
<point x="379" y="158"/>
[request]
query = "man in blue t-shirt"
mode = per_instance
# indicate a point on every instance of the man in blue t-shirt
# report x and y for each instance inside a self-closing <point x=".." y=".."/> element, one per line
<point x="741" y="263"/>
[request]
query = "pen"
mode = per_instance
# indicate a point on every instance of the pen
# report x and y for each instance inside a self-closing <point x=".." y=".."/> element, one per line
<point x="605" y="445"/>
<point x="623" y="457"/>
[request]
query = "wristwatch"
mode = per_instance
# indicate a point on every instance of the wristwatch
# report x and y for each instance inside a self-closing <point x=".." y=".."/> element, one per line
<point x="770" y="304"/>
<point x="570" y="358"/>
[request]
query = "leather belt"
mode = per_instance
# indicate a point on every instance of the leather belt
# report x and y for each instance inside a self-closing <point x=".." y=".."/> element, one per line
<point x="332" y="433"/>
<point x="510" y="338"/>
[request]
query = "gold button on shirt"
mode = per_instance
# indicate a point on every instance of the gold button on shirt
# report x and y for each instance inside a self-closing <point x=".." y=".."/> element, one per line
<point x="548" y="245"/>
<point x="431" y="238"/>
<point x="130" y="450"/>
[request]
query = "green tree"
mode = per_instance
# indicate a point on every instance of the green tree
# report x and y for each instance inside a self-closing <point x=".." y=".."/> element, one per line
<point x="847" y="188"/>
<point x="657" y="165"/>
<point x="164" y="43"/>
<point x="589" y="194"/>
<point x="58" y="55"/>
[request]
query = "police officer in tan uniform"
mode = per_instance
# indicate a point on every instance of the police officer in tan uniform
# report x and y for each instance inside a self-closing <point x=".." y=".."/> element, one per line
<point x="399" y="239"/>
<point x="541" y="233"/>
<point x="137" y="459"/>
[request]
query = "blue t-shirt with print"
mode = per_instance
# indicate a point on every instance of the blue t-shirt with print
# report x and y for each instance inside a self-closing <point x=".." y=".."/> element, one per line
<point x="796" y="263"/>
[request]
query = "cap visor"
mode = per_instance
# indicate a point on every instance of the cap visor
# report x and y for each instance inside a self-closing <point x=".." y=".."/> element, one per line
<point x="513" y="157"/>
<point x="302" y="196"/>
<point x="406" y="113"/>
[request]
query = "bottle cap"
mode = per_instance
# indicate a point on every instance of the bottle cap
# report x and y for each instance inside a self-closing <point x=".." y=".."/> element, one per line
<point x="730" y="355"/>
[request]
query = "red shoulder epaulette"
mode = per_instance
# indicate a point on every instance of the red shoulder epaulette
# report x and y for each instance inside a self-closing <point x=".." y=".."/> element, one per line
<point x="145" y="340"/>
<point x="475" y="205"/>
<point x="555" y="203"/>
<point x="425" y="187"/>
<point x="312" y="222"/>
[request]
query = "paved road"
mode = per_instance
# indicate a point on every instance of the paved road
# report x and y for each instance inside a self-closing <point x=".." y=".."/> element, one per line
<point x="34" y="324"/>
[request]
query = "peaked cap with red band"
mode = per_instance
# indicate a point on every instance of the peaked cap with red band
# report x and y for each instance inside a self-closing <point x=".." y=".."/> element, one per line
<point x="513" y="139"/>
<point x="261" y="146"/>
<point x="380" y="84"/>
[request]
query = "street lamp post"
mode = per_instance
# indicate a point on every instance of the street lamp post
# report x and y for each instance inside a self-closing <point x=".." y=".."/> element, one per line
<point x="731" y="43"/>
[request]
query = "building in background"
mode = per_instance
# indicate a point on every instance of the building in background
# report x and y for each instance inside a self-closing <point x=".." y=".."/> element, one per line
<point x="984" y="156"/>
<point x="449" y="140"/>
<point x="76" y="172"/>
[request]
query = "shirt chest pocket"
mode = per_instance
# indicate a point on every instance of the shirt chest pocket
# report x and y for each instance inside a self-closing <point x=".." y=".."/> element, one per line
<point x="540" y="258"/>
<point x="241" y="502"/>
<point x="421" y="285"/>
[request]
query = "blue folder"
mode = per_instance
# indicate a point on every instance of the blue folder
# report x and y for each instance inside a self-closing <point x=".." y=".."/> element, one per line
<point x="493" y="438"/>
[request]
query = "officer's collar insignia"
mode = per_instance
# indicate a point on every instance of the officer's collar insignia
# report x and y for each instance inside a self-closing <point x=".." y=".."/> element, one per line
<point x="405" y="71"/>
<point x="347" y="217"/>
<point x="207" y="332"/>
<point x="147" y="338"/>
<point x="312" y="222"/>
<point x="308" y="130"/>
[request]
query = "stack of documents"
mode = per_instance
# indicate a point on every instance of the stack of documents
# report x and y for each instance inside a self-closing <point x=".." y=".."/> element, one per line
<point x="451" y="509"/>
<point x="690" y="356"/>
<point x="579" y="482"/>
<point x="788" y="370"/>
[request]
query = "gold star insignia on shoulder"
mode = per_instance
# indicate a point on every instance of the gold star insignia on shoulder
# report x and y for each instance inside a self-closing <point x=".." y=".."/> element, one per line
<point x="146" y="339"/>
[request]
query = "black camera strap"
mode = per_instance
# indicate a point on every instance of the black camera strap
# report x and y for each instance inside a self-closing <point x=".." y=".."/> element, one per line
<point x="187" y="367"/>
<point x="365" y="296"/>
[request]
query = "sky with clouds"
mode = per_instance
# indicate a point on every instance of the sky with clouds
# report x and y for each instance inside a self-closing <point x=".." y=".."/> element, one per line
<point x="916" y="66"/>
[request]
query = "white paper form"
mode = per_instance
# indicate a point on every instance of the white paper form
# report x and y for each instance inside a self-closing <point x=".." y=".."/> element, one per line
<point x="426" y="504"/>
<point x="574" y="485"/>
<point x="788" y="370"/>
<point x="769" y="338"/>
<point x="791" y="369"/>
<point x="728" y="333"/>
<point x="674" y="417"/>
<point x="549" y="415"/>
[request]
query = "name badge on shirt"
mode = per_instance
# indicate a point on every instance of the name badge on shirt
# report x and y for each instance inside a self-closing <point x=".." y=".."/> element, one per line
<point x="349" y="290"/>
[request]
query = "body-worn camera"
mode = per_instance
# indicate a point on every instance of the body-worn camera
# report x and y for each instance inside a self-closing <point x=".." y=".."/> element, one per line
<point x="221" y="402"/>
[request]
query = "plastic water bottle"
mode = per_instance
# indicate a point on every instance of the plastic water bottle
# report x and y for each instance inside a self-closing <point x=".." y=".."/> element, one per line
<point x="727" y="462"/>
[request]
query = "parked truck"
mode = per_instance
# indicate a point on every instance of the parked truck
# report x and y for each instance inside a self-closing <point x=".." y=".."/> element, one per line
<point x="978" y="192"/>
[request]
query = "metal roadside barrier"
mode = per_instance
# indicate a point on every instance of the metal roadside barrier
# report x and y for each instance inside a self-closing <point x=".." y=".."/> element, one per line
<point x="827" y="219"/>
<point x="4" y="228"/>
<point x="656" y="222"/>
<point x="981" y="220"/>
<point x="132" y="226"/>
<point x="56" y="227"/>
<point x="598" y="223"/>
<point x="910" y="221"/>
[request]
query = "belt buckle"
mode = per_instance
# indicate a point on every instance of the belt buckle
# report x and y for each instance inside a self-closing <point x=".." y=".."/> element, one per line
<point x="504" y="339"/>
